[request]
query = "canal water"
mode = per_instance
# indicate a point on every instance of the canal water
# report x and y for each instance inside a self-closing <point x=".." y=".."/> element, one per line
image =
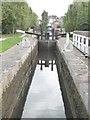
<point x="44" y="98"/>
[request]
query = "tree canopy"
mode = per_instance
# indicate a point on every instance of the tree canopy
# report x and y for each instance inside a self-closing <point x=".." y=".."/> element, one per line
<point x="17" y="15"/>
<point x="44" y="20"/>
<point x="76" y="17"/>
<point x="0" y="19"/>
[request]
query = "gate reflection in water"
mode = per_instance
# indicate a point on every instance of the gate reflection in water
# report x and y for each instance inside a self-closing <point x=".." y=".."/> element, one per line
<point x="44" y="99"/>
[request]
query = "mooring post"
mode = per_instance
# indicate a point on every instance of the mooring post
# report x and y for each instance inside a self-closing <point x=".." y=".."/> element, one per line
<point x="47" y="36"/>
<point x="52" y="66"/>
<point x="41" y="66"/>
<point x="38" y="37"/>
<point x="41" y="34"/>
<point x="52" y="33"/>
<point x="56" y="35"/>
<point x="46" y="63"/>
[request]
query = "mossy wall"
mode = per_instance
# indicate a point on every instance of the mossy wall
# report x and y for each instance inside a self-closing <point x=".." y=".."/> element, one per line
<point x="16" y="91"/>
<point x="72" y="100"/>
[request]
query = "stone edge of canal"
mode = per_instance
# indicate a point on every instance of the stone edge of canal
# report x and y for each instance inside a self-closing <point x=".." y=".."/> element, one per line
<point x="77" y="106"/>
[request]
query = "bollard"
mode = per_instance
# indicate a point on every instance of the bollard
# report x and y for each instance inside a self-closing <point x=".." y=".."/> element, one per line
<point x="41" y="34"/>
<point x="38" y="37"/>
<point x="41" y="68"/>
<point x="52" y="66"/>
<point x="46" y="36"/>
<point x="68" y="43"/>
<point x="25" y="42"/>
<point x="56" y="35"/>
<point x="46" y="63"/>
<point x="53" y="34"/>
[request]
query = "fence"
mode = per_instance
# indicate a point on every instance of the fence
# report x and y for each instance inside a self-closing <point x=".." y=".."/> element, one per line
<point x="82" y="43"/>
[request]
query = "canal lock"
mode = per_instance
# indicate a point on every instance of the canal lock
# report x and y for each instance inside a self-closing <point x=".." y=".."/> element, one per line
<point x="15" y="97"/>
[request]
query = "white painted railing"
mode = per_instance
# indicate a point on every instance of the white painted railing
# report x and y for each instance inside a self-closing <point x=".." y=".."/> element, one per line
<point x="82" y="43"/>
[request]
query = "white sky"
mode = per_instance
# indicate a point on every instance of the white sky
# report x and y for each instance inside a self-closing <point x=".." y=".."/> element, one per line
<point x="53" y="7"/>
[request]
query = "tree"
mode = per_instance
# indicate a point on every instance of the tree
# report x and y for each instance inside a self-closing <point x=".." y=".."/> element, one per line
<point x="76" y="17"/>
<point x="89" y="17"/>
<point x="58" y="26"/>
<point x="0" y="15"/>
<point x="35" y="19"/>
<point x="44" y="20"/>
<point x="17" y="15"/>
<point x="82" y="16"/>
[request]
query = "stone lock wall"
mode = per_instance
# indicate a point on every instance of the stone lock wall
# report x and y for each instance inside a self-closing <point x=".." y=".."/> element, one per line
<point x="11" y="97"/>
<point x="73" y="103"/>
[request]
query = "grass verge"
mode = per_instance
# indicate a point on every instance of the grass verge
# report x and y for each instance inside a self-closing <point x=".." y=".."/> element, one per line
<point x="11" y="35"/>
<point x="70" y="38"/>
<point x="8" y="43"/>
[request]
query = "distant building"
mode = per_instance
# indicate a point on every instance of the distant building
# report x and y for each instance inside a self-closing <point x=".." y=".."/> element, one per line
<point x="51" y="20"/>
<point x="56" y="23"/>
<point x="39" y="21"/>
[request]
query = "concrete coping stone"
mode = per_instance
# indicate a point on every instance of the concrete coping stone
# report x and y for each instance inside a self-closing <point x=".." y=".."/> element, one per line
<point x="78" y="67"/>
<point x="12" y="60"/>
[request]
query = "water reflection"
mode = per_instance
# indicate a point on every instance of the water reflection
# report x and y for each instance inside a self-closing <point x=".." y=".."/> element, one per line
<point x="39" y="96"/>
<point x="46" y="63"/>
<point x="44" y="99"/>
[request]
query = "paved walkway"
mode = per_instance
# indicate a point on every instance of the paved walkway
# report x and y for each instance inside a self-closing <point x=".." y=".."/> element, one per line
<point x="11" y="61"/>
<point x="9" y="58"/>
<point x="78" y="67"/>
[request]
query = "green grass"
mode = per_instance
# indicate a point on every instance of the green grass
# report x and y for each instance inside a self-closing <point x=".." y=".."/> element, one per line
<point x="11" y="35"/>
<point x="8" y="43"/>
<point x="27" y="35"/>
<point x="70" y="38"/>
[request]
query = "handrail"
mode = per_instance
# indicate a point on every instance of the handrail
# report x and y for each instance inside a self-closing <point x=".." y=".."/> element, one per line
<point x="82" y="43"/>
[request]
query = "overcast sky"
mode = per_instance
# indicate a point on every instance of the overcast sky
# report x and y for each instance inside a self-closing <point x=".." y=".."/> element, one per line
<point x="53" y="7"/>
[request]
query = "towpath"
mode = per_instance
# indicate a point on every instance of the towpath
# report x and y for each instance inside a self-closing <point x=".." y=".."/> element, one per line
<point x="78" y="67"/>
